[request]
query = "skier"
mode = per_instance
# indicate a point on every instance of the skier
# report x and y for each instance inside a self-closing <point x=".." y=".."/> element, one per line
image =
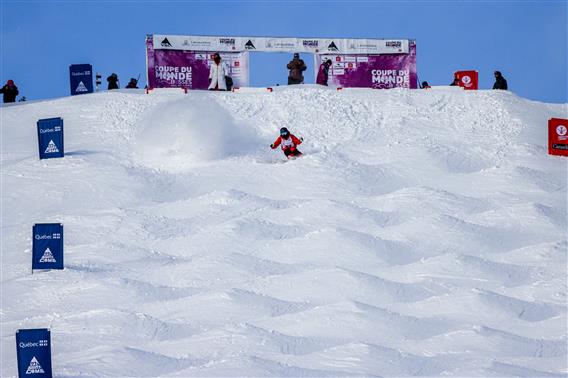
<point x="289" y="143"/>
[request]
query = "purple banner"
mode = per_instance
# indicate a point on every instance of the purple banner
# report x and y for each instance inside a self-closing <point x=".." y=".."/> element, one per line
<point x="373" y="71"/>
<point x="190" y="69"/>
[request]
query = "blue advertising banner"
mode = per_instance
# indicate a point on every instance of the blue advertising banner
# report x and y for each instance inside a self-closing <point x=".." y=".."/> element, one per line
<point x="81" y="79"/>
<point x="50" y="138"/>
<point x="34" y="352"/>
<point x="47" y="248"/>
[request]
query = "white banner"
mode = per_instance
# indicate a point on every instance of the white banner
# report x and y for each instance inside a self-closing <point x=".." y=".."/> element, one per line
<point x="275" y="44"/>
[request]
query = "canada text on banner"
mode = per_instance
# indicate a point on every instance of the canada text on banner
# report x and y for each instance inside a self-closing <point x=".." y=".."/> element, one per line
<point x="50" y="138"/>
<point x="34" y="353"/>
<point x="47" y="246"/>
<point x="277" y="44"/>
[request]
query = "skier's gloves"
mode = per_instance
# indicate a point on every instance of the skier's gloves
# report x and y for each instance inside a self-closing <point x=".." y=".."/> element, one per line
<point x="302" y="139"/>
<point x="272" y="146"/>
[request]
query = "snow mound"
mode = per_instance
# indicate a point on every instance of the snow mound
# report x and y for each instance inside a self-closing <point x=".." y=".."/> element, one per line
<point x="178" y="134"/>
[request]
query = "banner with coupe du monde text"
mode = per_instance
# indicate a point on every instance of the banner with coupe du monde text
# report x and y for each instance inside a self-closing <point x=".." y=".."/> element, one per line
<point x="190" y="69"/>
<point x="372" y="71"/>
<point x="175" y="61"/>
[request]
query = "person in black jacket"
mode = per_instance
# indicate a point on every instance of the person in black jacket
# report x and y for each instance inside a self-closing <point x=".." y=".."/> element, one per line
<point x="112" y="81"/>
<point x="500" y="82"/>
<point x="132" y="84"/>
<point x="10" y="91"/>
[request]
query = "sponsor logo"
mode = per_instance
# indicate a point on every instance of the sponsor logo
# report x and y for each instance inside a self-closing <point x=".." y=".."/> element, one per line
<point x="166" y="43"/>
<point x="249" y="45"/>
<point x="368" y="46"/>
<point x="45" y="131"/>
<point x="560" y="146"/>
<point x="466" y="80"/>
<point x="227" y="41"/>
<point x="55" y="235"/>
<point x="237" y="63"/>
<point x="561" y="130"/>
<point x="196" y="43"/>
<point x="271" y="44"/>
<point x="30" y="344"/>
<point x="311" y="43"/>
<point x="51" y="148"/>
<point x="35" y="367"/>
<point x="393" y="44"/>
<point x="80" y="73"/>
<point x="332" y="46"/>
<point x="47" y="257"/>
<point x="81" y="87"/>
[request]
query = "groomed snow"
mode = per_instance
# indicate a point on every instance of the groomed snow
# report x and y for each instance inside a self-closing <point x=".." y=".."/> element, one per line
<point x="422" y="234"/>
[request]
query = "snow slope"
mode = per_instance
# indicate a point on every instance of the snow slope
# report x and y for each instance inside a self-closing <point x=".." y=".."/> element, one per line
<point x="423" y="234"/>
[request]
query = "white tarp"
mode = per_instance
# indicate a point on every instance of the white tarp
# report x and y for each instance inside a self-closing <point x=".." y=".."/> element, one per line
<point x="275" y="44"/>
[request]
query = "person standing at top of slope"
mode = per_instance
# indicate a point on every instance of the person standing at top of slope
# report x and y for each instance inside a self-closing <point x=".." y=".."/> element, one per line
<point x="112" y="81"/>
<point x="217" y="73"/>
<point x="500" y="82"/>
<point x="289" y="143"/>
<point x="132" y="84"/>
<point x="296" y="67"/>
<point x="323" y="73"/>
<point x="9" y="91"/>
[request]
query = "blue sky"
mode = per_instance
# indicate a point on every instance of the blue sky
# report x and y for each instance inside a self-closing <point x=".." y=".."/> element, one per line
<point x="526" y="40"/>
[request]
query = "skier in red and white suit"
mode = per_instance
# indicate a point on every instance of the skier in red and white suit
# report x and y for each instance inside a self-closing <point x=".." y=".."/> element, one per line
<point x="289" y="143"/>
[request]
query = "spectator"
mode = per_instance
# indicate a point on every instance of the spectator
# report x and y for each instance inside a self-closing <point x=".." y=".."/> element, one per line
<point x="323" y="73"/>
<point x="296" y="67"/>
<point x="456" y="82"/>
<point x="229" y="82"/>
<point x="217" y="74"/>
<point x="10" y="91"/>
<point x="132" y="84"/>
<point x="425" y="85"/>
<point x="500" y="82"/>
<point x="112" y="81"/>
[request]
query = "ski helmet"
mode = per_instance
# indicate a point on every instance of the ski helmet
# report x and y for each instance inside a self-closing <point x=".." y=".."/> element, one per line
<point x="284" y="132"/>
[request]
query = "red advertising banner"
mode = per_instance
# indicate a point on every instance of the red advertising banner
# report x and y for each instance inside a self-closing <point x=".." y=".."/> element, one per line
<point x="558" y="136"/>
<point x="468" y="79"/>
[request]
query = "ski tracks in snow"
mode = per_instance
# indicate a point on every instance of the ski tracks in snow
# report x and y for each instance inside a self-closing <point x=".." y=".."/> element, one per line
<point x="414" y="238"/>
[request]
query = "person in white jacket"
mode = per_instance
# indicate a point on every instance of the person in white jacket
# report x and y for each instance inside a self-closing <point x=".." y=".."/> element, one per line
<point x="217" y="73"/>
